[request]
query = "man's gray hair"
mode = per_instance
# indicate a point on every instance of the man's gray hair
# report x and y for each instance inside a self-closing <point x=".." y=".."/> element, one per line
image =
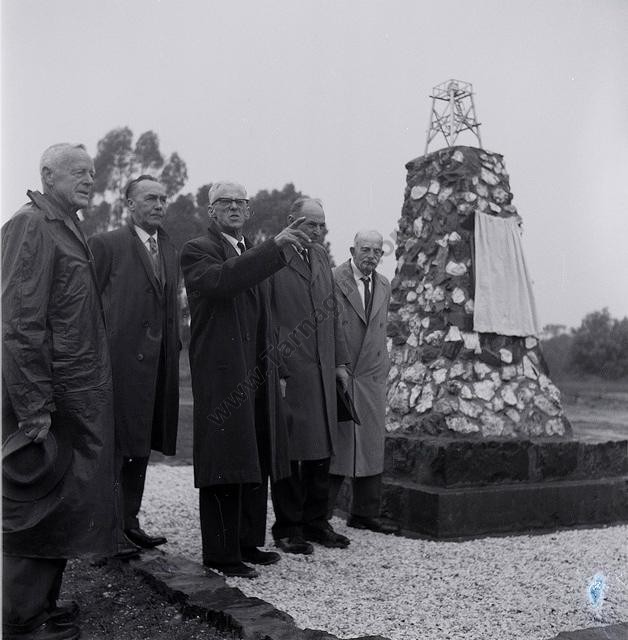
<point x="365" y="233"/>
<point x="53" y="154"/>
<point x="216" y="186"/>
<point x="297" y="206"/>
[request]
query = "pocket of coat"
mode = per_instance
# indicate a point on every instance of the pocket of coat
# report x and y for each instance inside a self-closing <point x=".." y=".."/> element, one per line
<point x="221" y="366"/>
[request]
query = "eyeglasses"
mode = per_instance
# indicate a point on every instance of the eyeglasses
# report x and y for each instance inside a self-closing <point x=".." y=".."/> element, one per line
<point x="227" y="202"/>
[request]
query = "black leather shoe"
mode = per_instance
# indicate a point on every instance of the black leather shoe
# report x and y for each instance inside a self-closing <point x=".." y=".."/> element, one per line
<point x="327" y="537"/>
<point x="127" y="552"/>
<point x="142" y="539"/>
<point x="373" y="524"/>
<point x="233" y="569"/>
<point x="49" y="630"/>
<point x="65" y="612"/>
<point x="257" y="556"/>
<point x="294" y="544"/>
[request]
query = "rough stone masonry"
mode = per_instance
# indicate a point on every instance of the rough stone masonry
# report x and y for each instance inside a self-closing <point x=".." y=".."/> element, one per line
<point x="446" y="379"/>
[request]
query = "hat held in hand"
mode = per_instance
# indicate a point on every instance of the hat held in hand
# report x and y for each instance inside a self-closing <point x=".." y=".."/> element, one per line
<point x="31" y="470"/>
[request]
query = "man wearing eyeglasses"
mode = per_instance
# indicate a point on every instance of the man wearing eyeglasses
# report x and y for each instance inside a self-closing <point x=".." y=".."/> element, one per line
<point x="363" y="298"/>
<point x="239" y="430"/>
<point x="137" y="268"/>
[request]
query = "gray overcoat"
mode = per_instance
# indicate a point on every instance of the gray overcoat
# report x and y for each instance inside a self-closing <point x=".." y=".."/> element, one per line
<point x="304" y="310"/>
<point x="359" y="448"/>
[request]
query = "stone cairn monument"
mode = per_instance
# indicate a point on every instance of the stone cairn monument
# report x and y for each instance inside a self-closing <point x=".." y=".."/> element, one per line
<point x="445" y="377"/>
<point x="477" y="439"/>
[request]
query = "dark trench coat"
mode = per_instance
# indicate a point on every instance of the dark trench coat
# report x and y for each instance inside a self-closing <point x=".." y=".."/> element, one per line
<point x="56" y="358"/>
<point x="142" y="316"/>
<point x="304" y="310"/>
<point x="219" y="283"/>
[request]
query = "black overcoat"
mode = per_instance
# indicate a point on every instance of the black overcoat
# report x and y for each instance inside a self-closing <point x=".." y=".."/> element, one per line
<point x="226" y="375"/>
<point x="142" y="319"/>
<point x="55" y="358"/>
<point x="312" y="346"/>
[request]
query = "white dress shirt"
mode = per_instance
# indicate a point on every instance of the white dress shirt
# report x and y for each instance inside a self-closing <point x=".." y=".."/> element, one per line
<point x="233" y="242"/>
<point x="144" y="237"/>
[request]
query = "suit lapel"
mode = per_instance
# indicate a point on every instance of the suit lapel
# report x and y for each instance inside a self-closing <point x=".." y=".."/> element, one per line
<point x="379" y="294"/>
<point x="296" y="262"/>
<point x="346" y="283"/>
<point x="139" y="248"/>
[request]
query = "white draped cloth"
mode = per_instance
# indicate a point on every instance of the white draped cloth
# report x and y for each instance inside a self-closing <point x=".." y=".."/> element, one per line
<point x="504" y="300"/>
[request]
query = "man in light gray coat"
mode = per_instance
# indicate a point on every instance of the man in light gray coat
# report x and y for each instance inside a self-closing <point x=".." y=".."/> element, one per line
<point x="363" y="296"/>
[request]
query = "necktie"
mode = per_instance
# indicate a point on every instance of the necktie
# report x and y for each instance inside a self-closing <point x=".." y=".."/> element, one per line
<point x="154" y="255"/>
<point x="305" y="254"/>
<point x="241" y="247"/>
<point x="367" y="295"/>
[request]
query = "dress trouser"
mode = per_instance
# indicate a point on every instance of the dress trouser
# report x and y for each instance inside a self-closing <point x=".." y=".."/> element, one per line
<point x="233" y="516"/>
<point x="132" y="480"/>
<point x="30" y="589"/>
<point x="366" y="490"/>
<point x="300" y="500"/>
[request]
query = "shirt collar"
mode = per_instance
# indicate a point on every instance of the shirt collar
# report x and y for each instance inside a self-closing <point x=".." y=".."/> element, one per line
<point x="233" y="242"/>
<point x="144" y="235"/>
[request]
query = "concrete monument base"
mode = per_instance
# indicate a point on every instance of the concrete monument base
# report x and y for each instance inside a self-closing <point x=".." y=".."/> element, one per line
<point x="452" y="488"/>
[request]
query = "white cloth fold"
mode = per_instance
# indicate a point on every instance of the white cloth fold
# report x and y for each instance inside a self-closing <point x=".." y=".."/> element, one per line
<point x="504" y="300"/>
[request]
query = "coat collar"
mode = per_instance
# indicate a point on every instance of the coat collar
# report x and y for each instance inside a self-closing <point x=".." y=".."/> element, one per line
<point x="347" y="284"/>
<point x="52" y="211"/>
<point x="214" y="232"/>
<point x="345" y="280"/>
<point x="296" y="262"/>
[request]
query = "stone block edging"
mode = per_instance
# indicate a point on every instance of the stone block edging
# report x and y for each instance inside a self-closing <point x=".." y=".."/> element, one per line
<point x="204" y="593"/>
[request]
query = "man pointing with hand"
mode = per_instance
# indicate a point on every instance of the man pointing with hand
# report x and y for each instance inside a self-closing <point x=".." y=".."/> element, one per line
<point x="239" y="430"/>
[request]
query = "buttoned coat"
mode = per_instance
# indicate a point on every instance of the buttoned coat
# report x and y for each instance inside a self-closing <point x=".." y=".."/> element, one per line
<point x="227" y="373"/>
<point x="142" y="316"/>
<point x="55" y="358"/>
<point x="304" y="310"/>
<point x="360" y="448"/>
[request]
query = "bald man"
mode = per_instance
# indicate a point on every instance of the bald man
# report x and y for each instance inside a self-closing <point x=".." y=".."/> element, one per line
<point x="363" y="297"/>
<point x="57" y="397"/>
<point x="240" y="435"/>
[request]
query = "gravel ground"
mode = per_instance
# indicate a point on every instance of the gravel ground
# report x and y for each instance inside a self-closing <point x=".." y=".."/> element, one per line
<point x="502" y="588"/>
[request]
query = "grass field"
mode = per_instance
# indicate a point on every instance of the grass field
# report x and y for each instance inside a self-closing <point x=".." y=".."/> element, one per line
<point x="597" y="410"/>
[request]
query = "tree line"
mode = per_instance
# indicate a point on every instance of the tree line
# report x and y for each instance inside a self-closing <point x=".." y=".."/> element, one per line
<point x="599" y="347"/>
<point x="119" y="159"/>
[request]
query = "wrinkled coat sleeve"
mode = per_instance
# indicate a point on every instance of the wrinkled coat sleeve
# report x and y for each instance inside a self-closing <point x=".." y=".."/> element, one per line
<point x="27" y="274"/>
<point x="206" y="271"/>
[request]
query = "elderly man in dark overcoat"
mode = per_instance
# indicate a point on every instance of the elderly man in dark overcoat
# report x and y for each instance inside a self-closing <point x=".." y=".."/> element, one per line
<point x="58" y="440"/>
<point x="239" y="432"/>
<point x="363" y="296"/>
<point x="315" y="356"/>
<point x="138" y="277"/>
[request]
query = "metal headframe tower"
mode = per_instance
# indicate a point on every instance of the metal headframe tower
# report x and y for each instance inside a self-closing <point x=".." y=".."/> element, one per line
<point x="452" y="112"/>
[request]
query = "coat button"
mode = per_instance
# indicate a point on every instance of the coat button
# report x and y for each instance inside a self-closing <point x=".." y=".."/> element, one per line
<point x="146" y="323"/>
<point x="140" y="356"/>
<point x="379" y="353"/>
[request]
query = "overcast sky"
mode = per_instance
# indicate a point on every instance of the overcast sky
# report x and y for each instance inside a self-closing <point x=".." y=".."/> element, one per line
<point x="333" y="96"/>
